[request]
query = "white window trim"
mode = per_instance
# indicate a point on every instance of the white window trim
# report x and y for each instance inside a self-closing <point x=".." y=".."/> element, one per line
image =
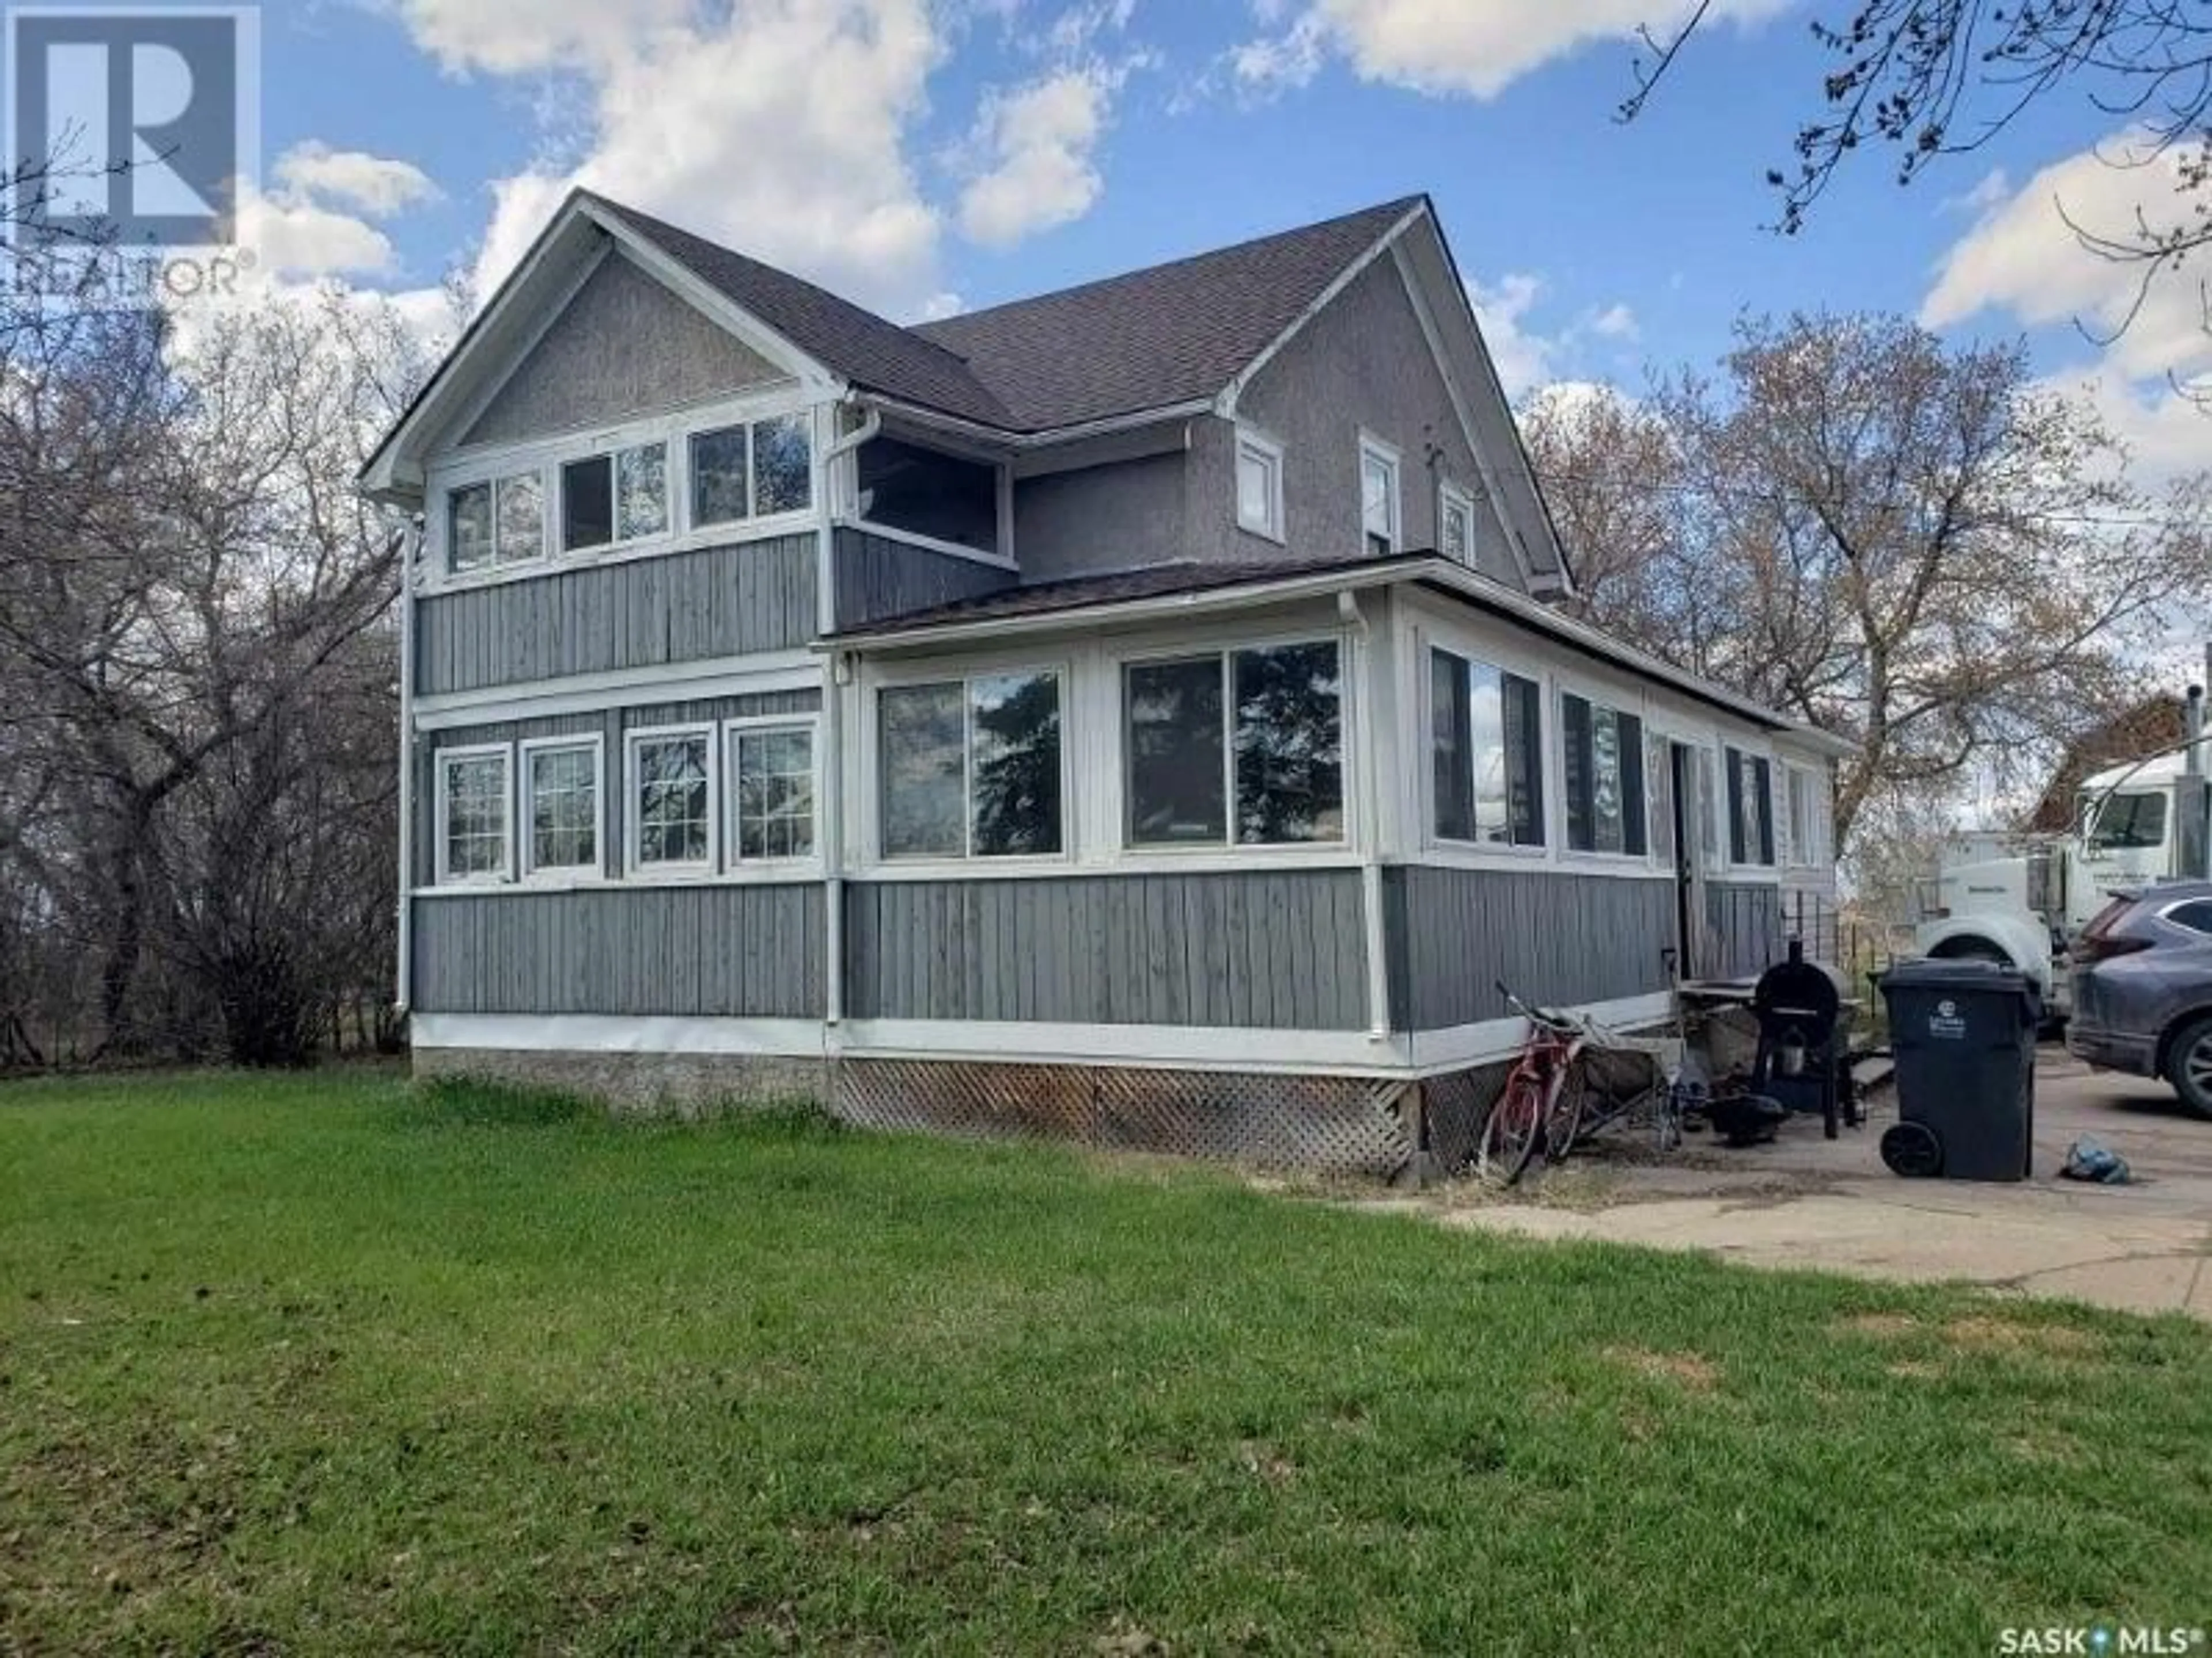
<point x="1229" y="846"/>
<point x="447" y="758"/>
<point x="525" y="833"/>
<point x="1450" y="498"/>
<point x="1612" y="701"/>
<point x="1374" y="448"/>
<point x="690" y="523"/>
<point x="734" y="863"/>
<point x="1751" y="865"/>
<point x="634" y="819"/>
<point x="1426" y="646"/>
<point x="968" y="860"/>
<point x="1250" y="440"/>
<point x="548" y="457"/>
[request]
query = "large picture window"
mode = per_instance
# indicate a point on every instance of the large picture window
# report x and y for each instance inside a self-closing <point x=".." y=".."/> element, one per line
<point x="1751" y="809"/>
<point x="474" y="794"/>
<point x="1486" y="749"/>
<point x="561" y="780"/>
<point x="1604" y="751"/>
<point x="673" y="800"/>
<point x="1244" y="747"/>
<point x="971" y="767"/>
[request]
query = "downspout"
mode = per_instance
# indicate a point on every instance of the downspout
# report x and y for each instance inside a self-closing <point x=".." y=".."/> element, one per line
<point x="410" y="540"/>
<point x="1370" y="799"/>
<point x="833" y="747"/>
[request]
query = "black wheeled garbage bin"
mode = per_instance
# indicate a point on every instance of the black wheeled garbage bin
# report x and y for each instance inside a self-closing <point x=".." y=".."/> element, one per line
<point x="1964" y="1036"/>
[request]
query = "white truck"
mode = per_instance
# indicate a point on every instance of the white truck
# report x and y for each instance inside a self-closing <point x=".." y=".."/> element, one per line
<point x="2019" y="898"/>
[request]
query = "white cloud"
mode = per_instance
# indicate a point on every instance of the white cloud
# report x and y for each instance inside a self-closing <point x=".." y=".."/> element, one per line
<point x="1615" y="322"/>
<point x="1039" y="143"/>
<point x="1473" y="46"/>
<point x="293" y="238"/>
<point x="777" y="126"/>
<point x="1524" y="357"/>
<point x="376" y="185"/>
<point x="2022" y="257"/>
<point x="2167" y="433"/>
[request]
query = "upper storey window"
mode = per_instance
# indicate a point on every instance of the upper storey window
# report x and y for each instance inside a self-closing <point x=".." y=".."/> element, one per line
<point x="615" y="497"/>
<point x="498" y="521"/>
<point x="1378" y="496"/>
<point x="752" y="470"/>
<point x="1259" y="485"/>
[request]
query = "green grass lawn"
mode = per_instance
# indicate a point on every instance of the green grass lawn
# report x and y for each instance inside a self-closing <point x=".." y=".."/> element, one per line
<point x="313" y="1364"/>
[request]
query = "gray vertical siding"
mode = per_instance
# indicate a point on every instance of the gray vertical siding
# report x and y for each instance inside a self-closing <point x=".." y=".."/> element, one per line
<point x="1236" y="948"/>
<point x="1553" y="937"/>
<point x="726" y="951"/>
<point x="640" y="613"/>
<point x="1745" y="930"/>
<point x="609" y="726"/>
<point x="875" y="577"/>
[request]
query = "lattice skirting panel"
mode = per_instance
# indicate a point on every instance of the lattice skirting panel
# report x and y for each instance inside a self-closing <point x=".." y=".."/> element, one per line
<point x="1339" y="1125"/>
<point x="1453" y="1108"/>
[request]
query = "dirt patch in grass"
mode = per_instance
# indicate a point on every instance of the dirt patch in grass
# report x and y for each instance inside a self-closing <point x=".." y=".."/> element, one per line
<point x="2046" y="1445"/>
<point x="1981" y="1334"/>
<point x="1914" y="1370"/>
<point x="1686" y="1370"/>
<point x="1882" y="1326"/>
<point x="1266" y="1463"/>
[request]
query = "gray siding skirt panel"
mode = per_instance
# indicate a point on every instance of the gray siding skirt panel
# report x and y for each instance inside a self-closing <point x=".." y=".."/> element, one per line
<point x="726" y="951"/>
<point x="640" y="613"/>
<point x="876" y="578"/>
<point x="1555" y="937"/>
<point x="1231" y="949"/>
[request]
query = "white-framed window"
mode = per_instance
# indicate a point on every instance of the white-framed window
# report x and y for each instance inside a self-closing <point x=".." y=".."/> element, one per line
<point x="972" y="766"/>
<point x="753" y="468"/>
<point x="563" y="806"/>
<point x="614" y="497"/>
<point x="1603" y="748"/>
<point x="1806" y="817"/>
<point x="1379" y="515"/>
<point x="1750" y="809"/>
<point x="772" y="790"/>
<point x="1259" y="484"/>
<point x="1485" y="752"/>
<point x="474" y="804"/>
<point x="1243" y="747"/>
<point x="672" y="781"/>
<point x="499" y="520"/>
<point x="1455" y="523"/>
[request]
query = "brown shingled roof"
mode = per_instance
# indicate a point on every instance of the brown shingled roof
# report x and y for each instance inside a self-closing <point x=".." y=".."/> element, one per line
<point x="1167" y="334"/>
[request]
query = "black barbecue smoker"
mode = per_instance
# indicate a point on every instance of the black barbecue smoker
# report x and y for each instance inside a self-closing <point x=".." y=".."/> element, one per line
<point x="1804" y="1050"/>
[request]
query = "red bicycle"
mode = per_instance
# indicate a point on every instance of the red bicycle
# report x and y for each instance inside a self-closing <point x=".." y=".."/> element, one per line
<point x="1542" y="1103"/>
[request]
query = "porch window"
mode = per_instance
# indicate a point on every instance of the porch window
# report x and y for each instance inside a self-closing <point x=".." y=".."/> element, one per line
<point x="1455" y="523"/>
<point x="1802" y="795"/>
<point x="1378" y="495"/>
<point x="498" y="521"/>
<point x="1261" y="728"/>
<point x="775" y="815"/>
<point x="616" y="497"/>
<point x="473" y="795"/>
<point x="752" y="470"/>
<point x="1259" y="485"/>
<point x="971" y="767"/>
<point x="1606" y="811"/>
<point x="673" y="799"/>
<point x="1486" y="745"/>
<point x="561" y="781"/>
<point x="1751" y="809"/>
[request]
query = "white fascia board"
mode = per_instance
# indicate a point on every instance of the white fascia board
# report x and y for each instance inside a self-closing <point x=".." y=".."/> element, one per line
<point x="1225" y="404"/>
<point x="1003" y="441"/>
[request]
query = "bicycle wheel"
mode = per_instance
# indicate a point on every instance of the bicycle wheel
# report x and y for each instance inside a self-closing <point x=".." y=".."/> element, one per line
<point x="1510" y="1135"/>
<point x="1563" y="1123"/>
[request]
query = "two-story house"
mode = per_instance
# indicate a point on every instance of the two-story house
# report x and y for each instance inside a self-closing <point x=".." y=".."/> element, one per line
<point x="1135" y="713"/>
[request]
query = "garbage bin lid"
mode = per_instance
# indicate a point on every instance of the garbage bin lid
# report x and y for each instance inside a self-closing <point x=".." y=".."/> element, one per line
<point x="1953" y="974"/>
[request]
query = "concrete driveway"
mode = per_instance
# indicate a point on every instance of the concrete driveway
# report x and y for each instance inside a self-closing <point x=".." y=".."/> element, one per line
<point x="1804" y="1201"/>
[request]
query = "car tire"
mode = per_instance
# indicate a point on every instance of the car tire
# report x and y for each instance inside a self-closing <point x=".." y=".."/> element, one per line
<point x="2188" y="1065"/>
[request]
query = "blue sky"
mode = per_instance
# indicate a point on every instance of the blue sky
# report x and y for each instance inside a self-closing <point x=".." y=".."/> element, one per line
<point x="922" y="155"/>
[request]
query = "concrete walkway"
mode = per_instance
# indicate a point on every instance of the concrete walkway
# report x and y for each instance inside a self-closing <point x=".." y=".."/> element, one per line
<point x="1806" y="1202"/>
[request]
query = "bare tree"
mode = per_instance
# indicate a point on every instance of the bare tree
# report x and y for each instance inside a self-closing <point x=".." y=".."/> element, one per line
<point x="1936" y="78"/>
<point x="1895" y="540"/>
